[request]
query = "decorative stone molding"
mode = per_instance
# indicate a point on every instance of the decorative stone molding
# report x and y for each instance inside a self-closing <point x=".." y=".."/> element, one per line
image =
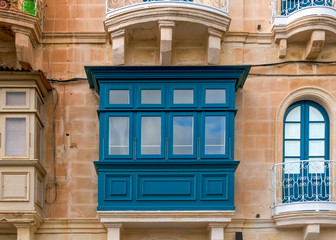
<point x="27" y="32"/>
<point x="75" y="38"/>
<point x="66" y="226"/>
<point x="303" y="219"/>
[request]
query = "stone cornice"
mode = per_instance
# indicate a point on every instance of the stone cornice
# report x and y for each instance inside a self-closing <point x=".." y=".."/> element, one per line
<point x="24" y="163"/>
<point x="66" y="226"/>
<point x="75" y="38"/>
<point x="30" y="218"/>
<point x="303" y="218"/>
<point x="172" y="218"/>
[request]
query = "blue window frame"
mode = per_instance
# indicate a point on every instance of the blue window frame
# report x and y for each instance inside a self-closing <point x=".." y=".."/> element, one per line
<point x="183" y="135"/>
<point x="191" y="126"/>
<point x="151" y="96"/>
<point x="183" y="96"/>
<point x="120" y="96"/>
<point x="118" y="139"/>
<point x="215" y="135"/>
<point x="150" y="135"/>
<point x="306" y="138"/>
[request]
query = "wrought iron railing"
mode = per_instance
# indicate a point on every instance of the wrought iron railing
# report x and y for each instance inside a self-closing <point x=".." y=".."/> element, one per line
<point x="305" y="181"/>
<point x="29" y="7"/>
<point x="112" y="5"/>
<point x="286" y="7"/>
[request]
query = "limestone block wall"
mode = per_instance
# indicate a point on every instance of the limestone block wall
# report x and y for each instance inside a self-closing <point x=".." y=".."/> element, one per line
<point x="74" y="37"/>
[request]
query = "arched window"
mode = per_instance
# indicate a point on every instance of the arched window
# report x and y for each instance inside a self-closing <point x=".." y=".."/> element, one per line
<point x="306" y="149"/>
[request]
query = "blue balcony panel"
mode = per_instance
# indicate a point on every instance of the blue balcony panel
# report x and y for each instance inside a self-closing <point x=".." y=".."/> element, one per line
<point x="166" y="186"/>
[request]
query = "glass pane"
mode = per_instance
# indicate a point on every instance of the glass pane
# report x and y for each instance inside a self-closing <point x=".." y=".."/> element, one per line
<point x="184" y="96"/>
<point x="151" y="96"/>
<point x="15" y="137"/>
<point x="183" y="129"/>
<point x="215" y="96"/>
<point x="315" y="114"/>
<point x="292" y="166"/>
<point x="292" y="148"/>
<point x="119" y="97"/>
<point x="15" y="98"/>
<point x="316" y="148"/>
<point x="316" y="165"/>
<point x="119" y="136"/>
<point x="150" y="135"/>
<point x="215" y="135"/>
<point x="292" y="130"/>
<point x="294" y="115"/>
<point x="316" y="130"/>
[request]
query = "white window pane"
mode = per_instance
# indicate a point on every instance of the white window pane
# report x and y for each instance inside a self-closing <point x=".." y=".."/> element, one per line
<point x="215" y="135"/>
<point x="316" y="165"/>
<point x="118" y="136"/>
<point x="15" y="137"/>
<point x="183" y="129"/>
<point x="316" y="130"/>
<point x="151" y="96"/>
<point x="150" y="135"/>
<point x="294" y="115"/>
<point x="119" y="97"/>
<point x="316" y="148"/>
<point x="15" y="98"/>
<point x="292" y="130"/>
<point x="315" y="114"/>
<point x="183" y="96"/>
<point x="215" y="96"/>
<point x="292" y="148"/>
<point x="292" y="166"/>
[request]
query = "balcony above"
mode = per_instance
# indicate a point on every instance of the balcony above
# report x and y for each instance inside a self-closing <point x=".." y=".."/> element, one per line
<point x="311" y="22"/>
<point x="115" y="6"/>
<point x="166" y="24"/>
<point x="306" y="185"/>
<point x="20" y="22"/>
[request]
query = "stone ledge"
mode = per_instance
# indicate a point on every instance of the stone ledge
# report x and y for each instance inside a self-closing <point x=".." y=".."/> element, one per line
<point x="301" y="219"/>
<point x="166" y="218"/>
<point x="65" y="226"/>
<point x="75" y="38"/>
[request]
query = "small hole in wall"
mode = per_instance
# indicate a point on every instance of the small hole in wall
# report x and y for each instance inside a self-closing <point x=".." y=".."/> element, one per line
<point x="257" y="215"/>
<point x="67" y="134"/>
<point x="259" y="26"/>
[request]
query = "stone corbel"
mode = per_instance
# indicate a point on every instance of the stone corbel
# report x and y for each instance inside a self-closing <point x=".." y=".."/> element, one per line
<point x="315" y="44"/>
<point x="283" y="48"/>
<point x="118" y="46"/>
<point x="113" y="231"/>
<point x="24" y="45"/>
<point x="214" y="46"/>
<point x="311" y="232"/>
<point x="166" y="41"/>
<point x="216" y="231"/>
